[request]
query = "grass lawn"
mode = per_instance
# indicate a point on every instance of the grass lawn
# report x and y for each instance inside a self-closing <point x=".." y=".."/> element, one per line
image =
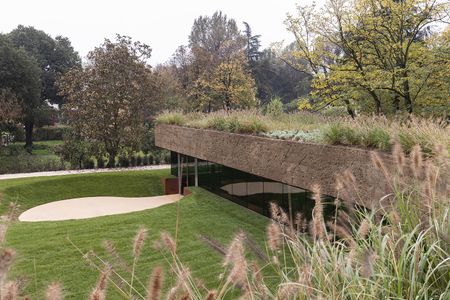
<point x="46" y="255"/>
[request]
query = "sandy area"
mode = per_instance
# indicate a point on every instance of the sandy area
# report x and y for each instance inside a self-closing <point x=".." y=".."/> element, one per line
<point x="89" y="207"/>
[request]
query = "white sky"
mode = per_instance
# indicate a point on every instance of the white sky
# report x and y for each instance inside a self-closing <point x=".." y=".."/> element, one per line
<point x="163" y="24"/>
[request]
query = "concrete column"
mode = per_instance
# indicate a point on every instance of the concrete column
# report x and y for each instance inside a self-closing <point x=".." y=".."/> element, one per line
<point x="196" y="171"/>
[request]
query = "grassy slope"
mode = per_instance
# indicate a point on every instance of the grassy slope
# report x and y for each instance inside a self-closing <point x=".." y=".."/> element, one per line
<point x="45" y="244"/>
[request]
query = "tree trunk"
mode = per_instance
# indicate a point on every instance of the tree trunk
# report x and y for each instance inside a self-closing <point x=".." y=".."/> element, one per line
<point x="377" y="101"/>
<point x="350" y="110"/>
<point x="408" y="102"/>
<point x="396" y="103"/>
<point x="29" y="135"/>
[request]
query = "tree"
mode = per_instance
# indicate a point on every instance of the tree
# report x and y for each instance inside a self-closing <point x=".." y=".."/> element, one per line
<point x="359" y="50"/>
<point x="53" y="56"/>
<point x="218" y="65"/>
<point x="276" y="78"/>
<point x="19" y="82"/>
<point x="110" y="99"/>
<point x="253" y="44"/>
<point x="229" y="86"/>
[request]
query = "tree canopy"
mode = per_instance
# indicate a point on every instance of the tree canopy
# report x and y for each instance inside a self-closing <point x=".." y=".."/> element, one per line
<point x="110" y="99"/>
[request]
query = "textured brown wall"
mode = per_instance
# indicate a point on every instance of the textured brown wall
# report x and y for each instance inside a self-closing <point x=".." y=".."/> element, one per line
<point x="294" y="163"/>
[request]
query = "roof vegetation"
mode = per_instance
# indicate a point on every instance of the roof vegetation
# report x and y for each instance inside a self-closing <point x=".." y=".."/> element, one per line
<point x="376" y="132"/>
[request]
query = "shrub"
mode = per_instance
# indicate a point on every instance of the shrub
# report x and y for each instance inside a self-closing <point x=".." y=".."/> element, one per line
<point x="133" y="160"/>
<point x="171" y="118"/>
<point x="138" y="160"/>
<point x="100" y="162"/>
<point x="377" y="138"/>
<point x="24" y="163"/>
<point x="88" y="163"/>
<point x="151" y="159"/>
<point x="145" y="160"/>
<point x="218" y="122"/>
<point x="334" y="134"/>
<point x="275" y="107"/>
<point x="124" y="161"/>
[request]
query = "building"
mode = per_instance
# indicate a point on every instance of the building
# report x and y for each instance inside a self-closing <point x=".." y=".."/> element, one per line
<point x="254" y="171"/>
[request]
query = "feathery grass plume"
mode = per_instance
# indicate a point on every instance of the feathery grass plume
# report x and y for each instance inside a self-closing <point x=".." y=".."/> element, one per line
<point x="318" y="221"/>
<point x="305" y="278"/>
<point x="211" y="295"/>
<point x="416" y="161"/>
<point x="236" y="259"/>
<point x="54" y="292"/>
<point x="399" y="157"/>
<point x="6" y="259"/>
<point x="10" y="291"/>
<point x="350" y="189"/>
<point x="119" y="260"/>
<point x="441" y="154"/>
<point x="12" y="210"/>
<point x="3" y="230"/>
<point x="300" y="222"/>
<point x="380" y="166"/>
<point x="343" y="233"/>
<point x="288" y="290"/>
<point x="235" y="249"/>
<point x="367" y="261"/>
<point x="274" y="236"/>
<point x="139" y="242"/>
<point x="99" y="292"/>
<point x="275" y="212"/>
<point x="168" y="242"/>
<point x="364" y="228"/>
<point x="155" y="284"/>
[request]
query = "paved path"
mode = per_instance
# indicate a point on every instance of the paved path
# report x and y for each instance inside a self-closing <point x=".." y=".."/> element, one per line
<point x="71" y="172"/>
<point x="89" y="207"/>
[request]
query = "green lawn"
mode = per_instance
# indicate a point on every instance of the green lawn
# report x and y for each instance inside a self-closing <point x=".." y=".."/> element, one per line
<point x="45" y="254"/>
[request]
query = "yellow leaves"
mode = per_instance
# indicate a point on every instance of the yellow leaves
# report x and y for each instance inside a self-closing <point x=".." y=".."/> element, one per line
<point x="303" y="104"/>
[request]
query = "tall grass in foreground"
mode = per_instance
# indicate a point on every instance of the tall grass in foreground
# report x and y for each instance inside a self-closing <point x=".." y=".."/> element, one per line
<point x="397" y="249"/>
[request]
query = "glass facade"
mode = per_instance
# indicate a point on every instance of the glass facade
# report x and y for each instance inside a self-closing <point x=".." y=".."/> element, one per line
<point x="246" y="189"/>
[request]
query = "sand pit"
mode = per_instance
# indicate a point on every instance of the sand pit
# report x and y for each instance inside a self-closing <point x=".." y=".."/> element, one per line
<point x="89" y="207"/>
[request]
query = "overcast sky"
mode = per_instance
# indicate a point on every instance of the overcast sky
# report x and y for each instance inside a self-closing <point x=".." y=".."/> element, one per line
<point x="163" y="24"/>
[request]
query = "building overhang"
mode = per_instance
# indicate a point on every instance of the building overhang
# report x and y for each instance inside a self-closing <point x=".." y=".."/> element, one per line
<point x="295" y="163"/>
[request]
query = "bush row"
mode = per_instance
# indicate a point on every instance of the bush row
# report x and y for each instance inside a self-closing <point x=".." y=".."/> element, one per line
<point x="125" y="161"/>
<point x="24" y="163"/>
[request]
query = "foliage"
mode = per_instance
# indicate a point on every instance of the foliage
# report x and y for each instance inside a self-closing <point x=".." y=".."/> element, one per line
<point x="20" y="79"/>
<point x="213" y="70"/>
<point x="25" y="162"/>
<point x="52" y="57"/>
<point x="110" y="99"/>
<point x="375" y="56"/>
<point x="275" y="107"/>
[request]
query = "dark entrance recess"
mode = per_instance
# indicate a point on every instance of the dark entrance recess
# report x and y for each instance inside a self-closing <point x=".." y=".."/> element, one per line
<point x="251" y="191"/>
